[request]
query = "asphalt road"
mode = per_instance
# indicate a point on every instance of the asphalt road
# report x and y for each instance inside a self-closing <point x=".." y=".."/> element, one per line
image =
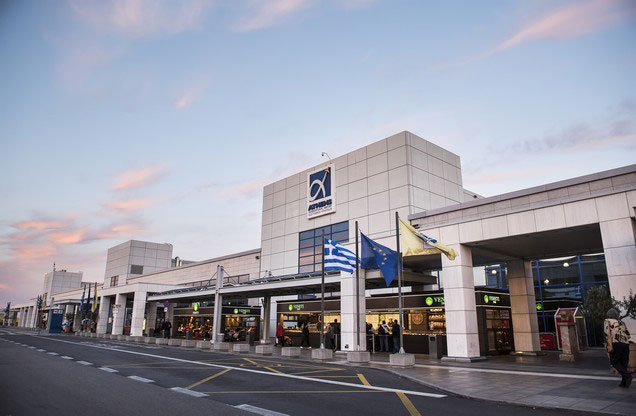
<point x="63" y="375"/>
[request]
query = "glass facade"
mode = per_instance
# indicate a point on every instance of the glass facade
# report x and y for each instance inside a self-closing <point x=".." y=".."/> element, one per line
<point x="310" y="245"/>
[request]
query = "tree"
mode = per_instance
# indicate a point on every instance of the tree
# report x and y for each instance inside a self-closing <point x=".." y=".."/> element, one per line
<point x="598" y="301"/>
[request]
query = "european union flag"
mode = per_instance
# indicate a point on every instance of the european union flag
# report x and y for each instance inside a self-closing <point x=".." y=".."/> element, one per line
<point x="377" y="256"/>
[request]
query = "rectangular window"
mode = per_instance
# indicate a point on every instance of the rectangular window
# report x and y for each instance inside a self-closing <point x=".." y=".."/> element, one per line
<point x="310" y="245"/>
<point x="135" y="269"/>
<point x="113" y="281"/>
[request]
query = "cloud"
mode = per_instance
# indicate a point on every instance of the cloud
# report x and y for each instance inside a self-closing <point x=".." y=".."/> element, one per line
<point x="577" y="19"/>
<point x="191" y="94"/>
<point x="138" y="178"/>
<point x="128" y="205"/>
<point x="125" y="230"/>
<point x="266" y="13"/>
<point x="38" y="224"/>
<point x="142" y="18"/>
<point x="29" y="252"/>
<point x="243" y="190"/>
<point x="67" y="237"/>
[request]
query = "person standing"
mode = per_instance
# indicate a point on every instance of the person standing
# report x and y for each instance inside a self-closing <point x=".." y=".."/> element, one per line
<point x="280" y="335"/>
<point x="383" y="334"/>
<point x="395" y="331"/>
<point x="617" y="337"/>
<point x="331" y="334"/>
<point x="167" y="327"/>
<point x="305" y="339"/>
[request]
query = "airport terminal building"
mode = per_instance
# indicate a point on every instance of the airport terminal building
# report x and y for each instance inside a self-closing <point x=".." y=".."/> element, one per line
<point x="518" y="253"/>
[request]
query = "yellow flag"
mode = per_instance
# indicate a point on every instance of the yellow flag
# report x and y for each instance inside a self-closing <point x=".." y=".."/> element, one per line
<point x="414" y="243"/>
<point x="94" y="300"/>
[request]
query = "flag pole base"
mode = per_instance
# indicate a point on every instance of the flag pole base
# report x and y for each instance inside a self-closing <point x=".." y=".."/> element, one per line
<point x="402" y="359"/>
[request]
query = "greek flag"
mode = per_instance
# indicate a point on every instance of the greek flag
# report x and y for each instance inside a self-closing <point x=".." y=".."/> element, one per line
<point x="338" y="258"/>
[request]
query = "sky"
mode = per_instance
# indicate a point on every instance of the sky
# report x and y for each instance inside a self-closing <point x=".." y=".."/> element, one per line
<point x="163" y="120"/>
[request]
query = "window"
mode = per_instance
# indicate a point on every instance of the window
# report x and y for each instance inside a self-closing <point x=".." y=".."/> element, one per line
<point x="113" y="281"/>
<point x="135" y="269"/>
<point x="310" y="245"/>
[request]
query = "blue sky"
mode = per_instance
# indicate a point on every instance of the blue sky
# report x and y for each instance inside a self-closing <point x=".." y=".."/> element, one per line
<point x="162" y="120"/>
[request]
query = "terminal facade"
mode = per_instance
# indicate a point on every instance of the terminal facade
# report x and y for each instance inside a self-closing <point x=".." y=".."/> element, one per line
<point x="589" y="217"/>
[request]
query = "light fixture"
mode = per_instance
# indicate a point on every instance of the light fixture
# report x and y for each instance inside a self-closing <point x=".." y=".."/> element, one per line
<point x="546" y="281"/>
<point x="493" y="271"/>
<point x="566" y="264"/>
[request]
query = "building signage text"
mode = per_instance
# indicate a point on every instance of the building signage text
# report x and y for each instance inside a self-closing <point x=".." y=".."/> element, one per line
<point x="321" y="192"/>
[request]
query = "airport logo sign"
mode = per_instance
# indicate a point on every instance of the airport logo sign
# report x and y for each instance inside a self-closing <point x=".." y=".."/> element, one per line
<point x="321" y="192"/>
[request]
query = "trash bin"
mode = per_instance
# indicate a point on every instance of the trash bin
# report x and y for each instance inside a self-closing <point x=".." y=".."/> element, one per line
<point x="436" y="346"/>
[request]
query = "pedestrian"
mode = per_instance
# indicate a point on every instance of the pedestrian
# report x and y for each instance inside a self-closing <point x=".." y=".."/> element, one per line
<point x="617" y="344"/>
<point x="305" y="339"/>
<point x="395" y="332"/>
<point x="280" y="335"/>
<point x="383" y="334"/>
<point x="336" y="330"/>
<point x="167" y="327"/>
<point x="331" y="334"/>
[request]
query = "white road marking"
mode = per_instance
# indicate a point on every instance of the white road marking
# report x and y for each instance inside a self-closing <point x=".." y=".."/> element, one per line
<point x="109" y="370"/>
<point x="84" y="363"/>
<point x="41" y="350"/>
<point x="189" y="392"/>
<point x="266" y="373"/>
<point x="66" y="357"/>
<point x="521" y="373"/>
<point x="259" y="410"/>
<point x="143" y="380"/>
<point x="31" y="348"/>
<point x="52" y="353"/>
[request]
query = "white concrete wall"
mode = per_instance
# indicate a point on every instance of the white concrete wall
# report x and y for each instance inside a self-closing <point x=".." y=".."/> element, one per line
<point x="153" y="257"/>
<point x="403" y="173"/>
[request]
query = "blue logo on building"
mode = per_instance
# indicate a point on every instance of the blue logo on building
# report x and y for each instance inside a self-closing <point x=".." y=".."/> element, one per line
<point x="320" y="184"/>
<point x="320" y="197"/>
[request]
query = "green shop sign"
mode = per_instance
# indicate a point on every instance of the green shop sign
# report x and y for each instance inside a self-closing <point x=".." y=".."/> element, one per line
<point x="195" y="308"/>
<point x="435" y="301"/>
<point x="242" y="311"/>
<point x="539" y="306"/>
<point x="296" y="307"/>
<point x="492" y="299"/>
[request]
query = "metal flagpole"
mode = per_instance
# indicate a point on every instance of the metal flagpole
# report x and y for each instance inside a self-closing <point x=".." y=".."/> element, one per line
<point x="397" y="236"/>
<point x="322" y="294"/>
<point x="357" y="293"/>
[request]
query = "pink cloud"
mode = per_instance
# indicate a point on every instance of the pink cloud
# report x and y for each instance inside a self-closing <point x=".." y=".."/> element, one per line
<point x="127" y="230"/>
<point x="244" y="190"/>
<point x="266" y="13"/>
<point x="67" y="237"/>
<point x="128" y="205"/>
<point x="34" y="251"/>
<point x="38" y="224"/>
<point x="137" y="178"/>
<point x="577" y="19"/>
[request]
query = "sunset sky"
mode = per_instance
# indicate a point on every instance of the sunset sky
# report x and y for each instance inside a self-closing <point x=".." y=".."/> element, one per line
<point x="162" y="120"/>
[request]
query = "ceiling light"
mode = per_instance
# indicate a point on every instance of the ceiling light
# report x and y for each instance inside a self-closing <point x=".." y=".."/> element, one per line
<point x="546" y="281"/>
<point x="566" y="264"/>
<point x="493" y="271"/>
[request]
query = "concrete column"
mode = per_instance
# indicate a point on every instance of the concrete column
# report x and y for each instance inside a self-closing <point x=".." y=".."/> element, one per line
<point x="68" y="309"/>
<point x="524" y="312"/>
<point x="618" y="232"/>
<point x="28" y="317"/>
<point x="461" y="312"/>
<point x="218" y="299"/>
<point x="102" y="319"/>
<point x="267" y="302"/>
<point x="139" y="310"/>
<point x="151" y="319"/>
<point x="119" y="313"/>
<point x="34" y="317"/>
<point x="349" y="312"/>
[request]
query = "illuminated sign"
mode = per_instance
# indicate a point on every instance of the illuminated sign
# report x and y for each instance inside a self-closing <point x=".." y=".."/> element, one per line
<point x="242" y="311"/>
<point x="321" y="192"/>
<point x="429" y="301"/>
<point x="296" y="307"/>
<point x="435" y="301"/>
<point x="195" y="308"/>
<point x="539" y="306"/>
<point x="492" y="299"/>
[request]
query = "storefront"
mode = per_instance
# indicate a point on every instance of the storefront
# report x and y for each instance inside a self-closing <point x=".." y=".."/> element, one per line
<point x="195" y="320"/>
<point x="424" y="315"/>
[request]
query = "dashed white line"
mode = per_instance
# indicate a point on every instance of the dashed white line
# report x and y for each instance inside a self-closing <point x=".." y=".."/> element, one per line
<point x="84" y="362"/>
<point x="52" y="353"/>
<point x="66" y="357"/>
<point x="188" y="392"/>
<point x="143" y="380"/>
<point x="41" y="350"/>
<point x="109" y="370"/>
<point x="31" y="348"/>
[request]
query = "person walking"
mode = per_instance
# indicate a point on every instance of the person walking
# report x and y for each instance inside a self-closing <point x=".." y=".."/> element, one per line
<point x="331" y="334"/>
<point x="395" y="331"/>
<point x="617" y="337"/>
<point x="383" y="334"/>
<point x="167" y="327"/>
<point x="305" y="339"/>
<point x="280" y="335"/>
<point x="336" y="330"/>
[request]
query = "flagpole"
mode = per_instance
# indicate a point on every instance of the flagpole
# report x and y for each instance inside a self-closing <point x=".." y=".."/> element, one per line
<point x="397" y="236"/>
<point x="357" y="293"/>
<point x="322" y="295"/>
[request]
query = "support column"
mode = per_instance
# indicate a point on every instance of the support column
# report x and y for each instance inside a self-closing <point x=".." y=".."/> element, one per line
<point x="524" y="312"/>
<point x="267" y="305"/>
<point x="77" y="320"/>
<point x="102" y="319"/>
<point x="218" y="299"/>
<point x="119" y="314"/>
<point x="28" y="317"/>
<point x="348" y="312"/>
<point x="151" y="319"/>
<point x="619" y="246"/>
<point x="462" y="337"/>
<point x="139" y="310"/>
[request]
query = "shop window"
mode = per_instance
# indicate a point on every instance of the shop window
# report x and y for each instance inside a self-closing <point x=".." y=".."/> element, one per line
<point x="114" y="281"/>
<point x="594" y="272"/>
<point x="559" y="272"/>
<point x="135" y="269"/>
<point x="311" y="246"/>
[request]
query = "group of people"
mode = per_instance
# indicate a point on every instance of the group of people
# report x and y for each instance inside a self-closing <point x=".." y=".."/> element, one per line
<point x="332" y="334"/>
<point x="385" y="332"/>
